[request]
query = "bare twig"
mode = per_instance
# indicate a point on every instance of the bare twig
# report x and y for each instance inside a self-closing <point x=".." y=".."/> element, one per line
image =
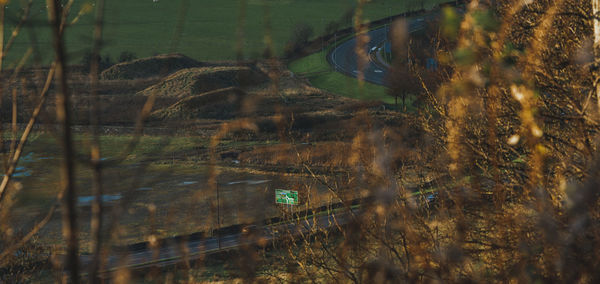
<point x="8" y="251"/>
<point x="25" y="136"/>
<point x="63" y="118"/>
<point x="96" y="219"/>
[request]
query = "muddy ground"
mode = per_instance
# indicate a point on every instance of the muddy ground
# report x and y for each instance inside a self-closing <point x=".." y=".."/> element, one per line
<point x="243" y="129"/>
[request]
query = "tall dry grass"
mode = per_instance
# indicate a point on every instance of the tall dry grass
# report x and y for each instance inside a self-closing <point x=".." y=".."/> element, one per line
<point x="512" y="130"/>
<point x="494" y="179"/>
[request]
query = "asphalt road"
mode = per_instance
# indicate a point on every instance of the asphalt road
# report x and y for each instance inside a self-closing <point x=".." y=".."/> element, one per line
<point x="344" y="60"/>
<point x="174" y="252"/>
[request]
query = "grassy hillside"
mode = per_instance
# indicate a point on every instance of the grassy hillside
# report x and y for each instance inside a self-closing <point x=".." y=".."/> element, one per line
<point x="209" y="28"/>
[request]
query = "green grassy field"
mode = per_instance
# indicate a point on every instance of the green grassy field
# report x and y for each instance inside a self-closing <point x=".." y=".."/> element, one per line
<point x="209" y="27"/>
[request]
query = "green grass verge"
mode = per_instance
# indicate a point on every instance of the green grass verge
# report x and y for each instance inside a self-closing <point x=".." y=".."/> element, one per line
<point x="209" y="26"/>
<point x="323" y="76"/>
<point x="326" y="78"/>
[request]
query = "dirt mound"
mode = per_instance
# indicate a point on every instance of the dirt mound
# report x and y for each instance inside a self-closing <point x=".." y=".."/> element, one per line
<point x="193" y="81"/>
<point x="156" y="66"/>
<point x="218" y="104"/>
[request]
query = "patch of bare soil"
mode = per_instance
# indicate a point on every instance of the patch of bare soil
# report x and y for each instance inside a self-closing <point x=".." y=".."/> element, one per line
<point x="194" y="81"/>
<point x="155" y="66"/>
<point x="218" y="104"/>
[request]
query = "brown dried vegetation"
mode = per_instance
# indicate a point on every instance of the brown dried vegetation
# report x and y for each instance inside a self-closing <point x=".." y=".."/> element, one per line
<point x="495" y="178"/>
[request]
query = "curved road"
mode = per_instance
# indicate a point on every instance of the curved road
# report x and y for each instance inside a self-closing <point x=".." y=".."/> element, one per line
<point x="344" y="60"/>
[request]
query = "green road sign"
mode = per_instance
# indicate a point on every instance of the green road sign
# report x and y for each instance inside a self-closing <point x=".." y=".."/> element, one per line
<point x="283" y="196"/>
